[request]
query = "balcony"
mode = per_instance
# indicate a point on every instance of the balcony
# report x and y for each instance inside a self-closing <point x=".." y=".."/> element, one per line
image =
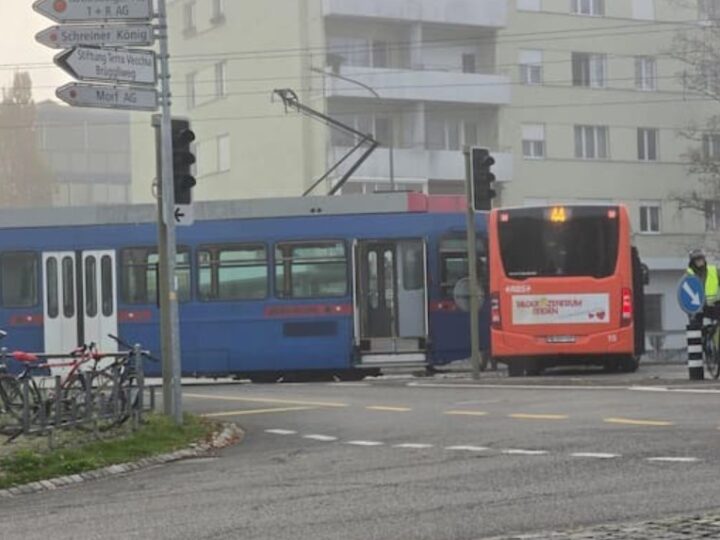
<point x="419" y="85"/>
<point x="484" y="13"/>
<point x="418" y="164"/>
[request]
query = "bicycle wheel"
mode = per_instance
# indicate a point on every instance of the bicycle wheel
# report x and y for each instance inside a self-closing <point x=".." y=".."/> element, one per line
<point x="712" y="354"/>
<point x="107" y="402"/>
<point x="712" y="360"/>
<point x="11" y="394"/>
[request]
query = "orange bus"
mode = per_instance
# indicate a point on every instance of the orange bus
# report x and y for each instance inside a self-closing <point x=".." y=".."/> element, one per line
<point x="566" y="287"/>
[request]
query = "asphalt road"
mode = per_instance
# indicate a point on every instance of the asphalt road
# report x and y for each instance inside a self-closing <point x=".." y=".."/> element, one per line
<point x="440" y="458"/>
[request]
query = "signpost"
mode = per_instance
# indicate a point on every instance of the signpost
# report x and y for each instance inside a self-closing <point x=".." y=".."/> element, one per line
<point x="109" y="65"/>
<point x="73" y="35"/>
<point x="94" y="10"/>
<point x="108" y="97"/>
<point x="130" y="77"/>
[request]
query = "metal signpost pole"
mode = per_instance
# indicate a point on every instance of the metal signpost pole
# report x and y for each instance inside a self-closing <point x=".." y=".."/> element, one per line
<point x="168" y="301"/>
<point x="472" y="270"/>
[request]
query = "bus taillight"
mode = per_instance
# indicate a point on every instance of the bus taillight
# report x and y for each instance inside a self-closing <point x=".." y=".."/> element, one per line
<point x="495" y="315"/>
<point x="627" y="306"/>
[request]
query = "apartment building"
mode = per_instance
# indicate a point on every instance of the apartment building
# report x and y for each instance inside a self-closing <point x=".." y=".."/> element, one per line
<point x="579" y="101"/>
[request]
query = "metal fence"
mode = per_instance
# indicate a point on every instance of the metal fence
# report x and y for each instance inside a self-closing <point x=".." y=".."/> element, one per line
<point x="92" y="400"/>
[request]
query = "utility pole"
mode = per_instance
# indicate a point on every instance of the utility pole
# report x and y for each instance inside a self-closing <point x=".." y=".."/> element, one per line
<point x="167" y="245"/>
<point x="473" y="285"/>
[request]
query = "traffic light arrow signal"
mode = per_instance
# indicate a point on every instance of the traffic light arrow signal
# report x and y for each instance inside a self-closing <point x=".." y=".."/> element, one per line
<point x="179" y="214"/>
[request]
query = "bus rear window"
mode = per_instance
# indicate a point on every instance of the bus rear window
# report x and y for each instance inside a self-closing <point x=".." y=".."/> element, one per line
<point x="573" y="241"/>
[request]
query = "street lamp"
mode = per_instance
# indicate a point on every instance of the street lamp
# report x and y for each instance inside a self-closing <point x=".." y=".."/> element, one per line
<point x="390" y="145"/>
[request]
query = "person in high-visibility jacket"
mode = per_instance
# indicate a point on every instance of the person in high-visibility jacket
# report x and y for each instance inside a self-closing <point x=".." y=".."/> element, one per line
<point x="708" y="274"/>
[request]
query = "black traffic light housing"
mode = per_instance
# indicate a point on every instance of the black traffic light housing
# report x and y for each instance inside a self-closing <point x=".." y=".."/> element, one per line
<point x="183" y="160"/>
<point x="483" y="180"/>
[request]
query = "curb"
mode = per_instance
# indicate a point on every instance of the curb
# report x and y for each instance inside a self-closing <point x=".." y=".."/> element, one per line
<point x="228" y="436"/>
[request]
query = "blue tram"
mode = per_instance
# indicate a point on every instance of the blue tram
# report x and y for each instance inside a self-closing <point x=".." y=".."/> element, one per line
<point x="338" y="285"/>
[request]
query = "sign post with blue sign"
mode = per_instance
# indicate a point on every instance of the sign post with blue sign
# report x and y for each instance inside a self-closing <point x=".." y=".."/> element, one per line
<point x="691" y="294"/>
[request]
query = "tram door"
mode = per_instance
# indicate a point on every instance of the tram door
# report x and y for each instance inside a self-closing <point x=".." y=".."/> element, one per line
<point x="391" y="300"/>
<point x="80" y="300"/>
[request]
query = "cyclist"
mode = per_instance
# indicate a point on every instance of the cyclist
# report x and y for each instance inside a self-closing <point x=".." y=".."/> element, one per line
<point x="708" y="274"/>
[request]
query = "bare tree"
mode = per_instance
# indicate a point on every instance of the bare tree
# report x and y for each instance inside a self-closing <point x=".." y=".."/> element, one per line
<point x="24" y="178"/>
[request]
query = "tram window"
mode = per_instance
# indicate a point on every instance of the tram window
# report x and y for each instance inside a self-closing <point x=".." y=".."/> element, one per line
<point x="140" y="278"/>
<point x="106" y="278"/>
<point x="19" y="275"/>
<point x="412" y="266"/>
<point x="53" y="295"/>
<point x="454" y="263"/>
<point x="68" y="287"/>
<point x="91" y="299"/>
<point x="232" y="273"/>
<point x="311" y="270"/>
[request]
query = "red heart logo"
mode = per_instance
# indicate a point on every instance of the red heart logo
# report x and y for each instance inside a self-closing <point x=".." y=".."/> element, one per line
<point x="601" y="315"/>
<point x="591" y="315"/>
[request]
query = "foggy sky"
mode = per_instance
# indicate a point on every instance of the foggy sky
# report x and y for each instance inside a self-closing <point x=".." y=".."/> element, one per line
<point x="18" y="26"/>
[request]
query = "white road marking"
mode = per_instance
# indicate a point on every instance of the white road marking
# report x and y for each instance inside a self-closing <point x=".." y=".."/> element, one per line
<point x="413" y="446"/>
<point x="321" y="438"/>
<point x="594" y="455"/>
<point x="673" y="459"/>
<point x="519" y="452"/>
<point x="365" y="443"/>
<point x="281" y="431"/>
<point x="514" y="386"/>
<point x="467" y="448"/>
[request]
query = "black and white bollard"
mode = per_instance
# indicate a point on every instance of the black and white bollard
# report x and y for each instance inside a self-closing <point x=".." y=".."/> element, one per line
<point x="695" y="352"/>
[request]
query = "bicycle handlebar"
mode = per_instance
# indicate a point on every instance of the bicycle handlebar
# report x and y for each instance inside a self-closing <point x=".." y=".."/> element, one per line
<point x="129" y="347"/>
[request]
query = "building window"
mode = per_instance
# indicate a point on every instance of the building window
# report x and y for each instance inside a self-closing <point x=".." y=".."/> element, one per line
<point x="711" y="146"/>
<point x="451" y="134"/>
<point x="643" y="10"/>
<point x="533" y="141"/>
<point x="190" y="90"/>
<point x="709" y="10"/>
<point x="653" y="312"/>
<point x="647" y="139"/>
<point x="712" y="215"/>
<point x="469" y="63"/>
<point x="645" y="73"/>
<point x="351" y="51"/>
<point x="530" y="61"/>
<point x="591" y="142"/>
<point x="650" y="218"/>
<point x="589" y="70"/>
<point x="218" y="11"/>
<point x="224" y="160"/>
<point x="190" y="17"/>
<point x="221" y="80"/>
<point x="311" y="270"/>
<point x="588" y="7"/>
<point x="380" y="54"/>
<point x="529" y="5"/>
<point x="232" y="273"/>
<point x="19" y="279"/>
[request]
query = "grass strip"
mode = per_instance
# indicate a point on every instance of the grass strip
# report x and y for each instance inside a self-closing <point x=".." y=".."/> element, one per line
<point x="159" y="435"/>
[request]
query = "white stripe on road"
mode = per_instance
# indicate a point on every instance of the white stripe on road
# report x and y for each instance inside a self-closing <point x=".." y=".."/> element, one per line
<point x="321" y="438"/>
<point x="673" y="459"/>
<point x="365" y="443"/>
<point x="281" y="431"/>
<point x="468" y="448"/>
<point x="413" y="446"/>
<point x="594" y="455"/>
<point x="519" y="452"/>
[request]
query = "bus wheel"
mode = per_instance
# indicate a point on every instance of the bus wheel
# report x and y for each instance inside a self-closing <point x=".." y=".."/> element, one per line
<point x="611" y="365"/>
<point x="351" y="375"/>
<point x="516" y="368"/>
<point x="534" y="368"/>
<point x="629" y="365"/>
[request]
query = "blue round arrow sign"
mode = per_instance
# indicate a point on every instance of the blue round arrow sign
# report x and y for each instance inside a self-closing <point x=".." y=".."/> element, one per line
<point x="691" y="294"/>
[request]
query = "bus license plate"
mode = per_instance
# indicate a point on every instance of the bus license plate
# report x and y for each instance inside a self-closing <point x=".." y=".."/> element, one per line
<point x="561" y="339"/>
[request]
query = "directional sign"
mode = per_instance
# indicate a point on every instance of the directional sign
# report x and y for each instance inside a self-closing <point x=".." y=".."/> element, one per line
<point x="116" y="35"/>
<point x="691" y="294"/>
<point x="184" y="215"/>
<point x="109" y="97"/>
<point x="109" y="65"/>
<point x="94" y="10"/>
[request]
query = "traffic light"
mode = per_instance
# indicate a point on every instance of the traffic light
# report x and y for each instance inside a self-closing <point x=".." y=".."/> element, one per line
<point x="483" y="179"/>
<point x="183" y="161"/>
